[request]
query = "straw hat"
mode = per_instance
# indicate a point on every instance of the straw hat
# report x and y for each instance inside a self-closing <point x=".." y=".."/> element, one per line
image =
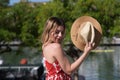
<point x="85" y="29"/>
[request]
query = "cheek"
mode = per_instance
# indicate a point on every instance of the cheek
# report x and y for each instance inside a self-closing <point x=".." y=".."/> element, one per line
<point x="52" y="36"/>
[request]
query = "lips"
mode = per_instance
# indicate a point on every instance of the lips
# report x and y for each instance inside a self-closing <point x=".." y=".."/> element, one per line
<point x="58" y="40"/>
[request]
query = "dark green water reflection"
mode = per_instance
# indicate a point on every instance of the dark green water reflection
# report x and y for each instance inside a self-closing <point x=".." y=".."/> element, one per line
<point x="98" y="66"/>
<point x="102" y="65"/>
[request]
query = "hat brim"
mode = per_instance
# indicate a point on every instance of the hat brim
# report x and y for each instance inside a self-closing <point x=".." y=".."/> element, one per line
<point x="78" y="41"/>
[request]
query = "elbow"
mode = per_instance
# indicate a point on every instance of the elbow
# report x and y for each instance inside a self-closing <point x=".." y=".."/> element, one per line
<point x="68" y="72"/>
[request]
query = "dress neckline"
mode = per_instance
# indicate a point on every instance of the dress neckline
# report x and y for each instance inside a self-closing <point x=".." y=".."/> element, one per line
<point x="48" y="61"/>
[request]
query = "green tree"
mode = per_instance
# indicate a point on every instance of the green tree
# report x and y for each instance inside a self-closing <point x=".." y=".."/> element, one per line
<point x="25" y="22"/>
<point x="5" y="19"/>
<point x="4" y="3"/>
<point x="19" y="22"/>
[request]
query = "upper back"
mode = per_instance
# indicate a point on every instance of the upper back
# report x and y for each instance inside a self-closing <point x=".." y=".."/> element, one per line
<point x="49" y="51"/>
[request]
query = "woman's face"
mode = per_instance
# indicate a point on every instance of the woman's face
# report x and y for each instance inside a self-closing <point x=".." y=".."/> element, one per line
<point x="58" y="35"/>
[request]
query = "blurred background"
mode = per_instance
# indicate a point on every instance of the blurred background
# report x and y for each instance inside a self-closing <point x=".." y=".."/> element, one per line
<point x="21" y="25"/>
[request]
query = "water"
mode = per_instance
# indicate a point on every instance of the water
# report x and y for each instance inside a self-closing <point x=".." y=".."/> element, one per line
<point x="102" y="65"/>
<point x="97" y="66"/>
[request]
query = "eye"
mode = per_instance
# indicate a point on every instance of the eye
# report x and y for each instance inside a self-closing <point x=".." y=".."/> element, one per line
<point x="56" y="32"/>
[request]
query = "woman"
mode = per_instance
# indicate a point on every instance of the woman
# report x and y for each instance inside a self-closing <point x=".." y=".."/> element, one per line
<point x="57" y="65"/>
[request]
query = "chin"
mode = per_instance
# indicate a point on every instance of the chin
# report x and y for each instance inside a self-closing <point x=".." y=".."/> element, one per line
<point x="58" y="41"/>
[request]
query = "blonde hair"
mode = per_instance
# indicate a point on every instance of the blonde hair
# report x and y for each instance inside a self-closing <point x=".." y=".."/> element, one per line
<point x="51" y="25"/>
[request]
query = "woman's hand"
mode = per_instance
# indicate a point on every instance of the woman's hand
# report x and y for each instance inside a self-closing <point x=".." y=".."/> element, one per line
<point x="89" y="46"/>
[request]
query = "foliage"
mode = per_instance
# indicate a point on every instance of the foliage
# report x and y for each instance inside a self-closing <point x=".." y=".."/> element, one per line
<point x="25" y="22"/>
<point x="4" y="3"/>
<point x="20" y="22"/>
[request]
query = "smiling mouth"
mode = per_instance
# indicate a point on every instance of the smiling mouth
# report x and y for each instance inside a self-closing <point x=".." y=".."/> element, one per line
<point x="59" y="40"/>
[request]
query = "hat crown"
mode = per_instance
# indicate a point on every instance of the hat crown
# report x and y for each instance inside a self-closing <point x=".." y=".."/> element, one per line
<point x="87" y="32"/>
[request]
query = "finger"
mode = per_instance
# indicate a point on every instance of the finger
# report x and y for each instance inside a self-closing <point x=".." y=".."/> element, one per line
<point x="87" y="44"/>
<point x="90" y="44"/>
<point x="93" y="44"/>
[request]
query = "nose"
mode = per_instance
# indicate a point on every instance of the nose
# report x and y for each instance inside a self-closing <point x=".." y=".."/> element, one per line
<point x="60" y="34"/>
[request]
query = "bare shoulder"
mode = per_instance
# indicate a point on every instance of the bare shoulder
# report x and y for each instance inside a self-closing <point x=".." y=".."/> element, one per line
<point x="56" y="45"/>
<point x="57" y="50"/>
<point x="52" y="48"/>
